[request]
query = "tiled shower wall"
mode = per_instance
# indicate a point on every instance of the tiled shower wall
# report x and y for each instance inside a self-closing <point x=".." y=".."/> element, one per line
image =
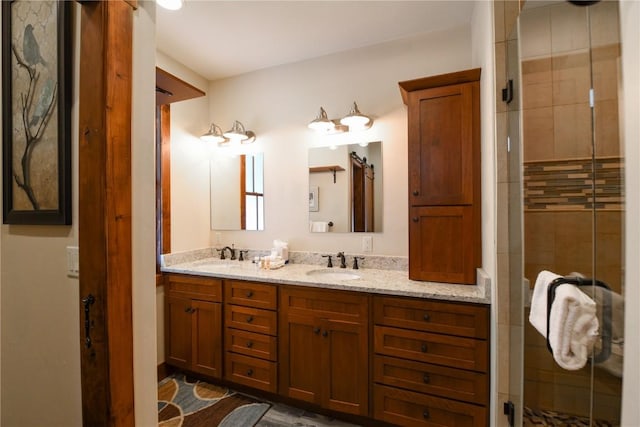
<point x="557" y="136"/>
<point x="558" y="177"/>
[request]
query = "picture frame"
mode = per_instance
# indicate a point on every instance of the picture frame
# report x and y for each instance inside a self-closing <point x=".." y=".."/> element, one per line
<point x="36" y="111"/>
<point x="314" y="202"/>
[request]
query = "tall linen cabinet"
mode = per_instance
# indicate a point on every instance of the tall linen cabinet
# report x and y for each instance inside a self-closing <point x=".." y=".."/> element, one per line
<point x="444" y="176"/>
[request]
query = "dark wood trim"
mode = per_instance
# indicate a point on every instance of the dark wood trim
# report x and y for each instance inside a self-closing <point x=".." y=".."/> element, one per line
<point x="458" y="77"/>
<point x="170" y="89"/>
<point x="105" y="212"/>
<point x="164" y="371"/>
<point x="163" y="182"/>
<point x="243" y="192"/>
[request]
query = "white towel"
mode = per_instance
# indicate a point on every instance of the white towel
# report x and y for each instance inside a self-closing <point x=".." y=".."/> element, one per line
<point x="573" y="325"/>
<point x="319" y="226"/>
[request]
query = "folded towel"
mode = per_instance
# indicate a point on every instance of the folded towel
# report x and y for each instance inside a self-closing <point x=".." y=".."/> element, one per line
<point x="319" y="226"/>
<point x="573" y="325"/>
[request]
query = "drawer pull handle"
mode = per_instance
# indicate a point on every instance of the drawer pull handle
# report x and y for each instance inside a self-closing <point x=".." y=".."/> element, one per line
<point x="423" y="348"/>
<point x="316" y="331"/>
<point x="249" y="319"/>
<point x="426" y="379"/>
<point x="415" y="219"/>
<point x="425" y="414"/>
<point x="426" y="317"/>
<point x="249" y="294"/>
<point x="416" y="192"/>
<point x="250" y="372"/>
<point x="249" y="344"/>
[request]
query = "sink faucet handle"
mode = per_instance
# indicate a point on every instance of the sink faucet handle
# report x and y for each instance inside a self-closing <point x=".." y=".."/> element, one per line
<point x="355" y="261"/>
<point x="329" y="264"/>
<point x="221" y="252"/>
<point x="243" y="252"/>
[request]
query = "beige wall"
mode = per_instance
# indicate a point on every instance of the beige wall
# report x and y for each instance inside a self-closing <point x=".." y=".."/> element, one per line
<point x="277" y="104"/>
<point x="629" y="18"/>
<point x="39" y="316"/>
<point x="40" y="304"/>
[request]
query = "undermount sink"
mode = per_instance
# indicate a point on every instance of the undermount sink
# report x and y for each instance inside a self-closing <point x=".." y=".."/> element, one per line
<point x="333" y="274"/>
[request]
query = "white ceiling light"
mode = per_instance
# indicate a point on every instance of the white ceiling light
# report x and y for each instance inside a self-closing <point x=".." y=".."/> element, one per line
<point x="170" y="4"/>
<point x="238" y="133"/>
<point x="322" y="122"/>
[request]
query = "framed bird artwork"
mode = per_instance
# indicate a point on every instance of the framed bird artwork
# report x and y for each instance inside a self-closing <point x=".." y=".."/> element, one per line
<point x="36" y="111"/>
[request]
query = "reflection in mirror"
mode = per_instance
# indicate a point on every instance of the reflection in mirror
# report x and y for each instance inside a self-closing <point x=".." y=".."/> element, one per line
<point x="237" y="192"/>
<point x="345" y="188"/>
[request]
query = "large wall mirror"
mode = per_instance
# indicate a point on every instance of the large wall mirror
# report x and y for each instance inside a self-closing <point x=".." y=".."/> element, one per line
<point x="237" y="192"/>
<point x="345" y="188"/>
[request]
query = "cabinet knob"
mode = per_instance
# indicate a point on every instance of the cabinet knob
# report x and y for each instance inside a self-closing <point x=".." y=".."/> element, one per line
<point x="425" y="414"/>
<point x="426" y="317"/>
<point x="250" y="372"/>
<point x="249" y="294"/>
<point x="249" y="344"/>
<point x="423" y="348"/>
<point x="325" y="334"/>
<point x="426" y="379"/>
<point x="316" y="331"/>
<point x="187" y="310"/>
<point x="415" y="219"/>
<point x="249" y="319"/>
<point x="415" y="192"/>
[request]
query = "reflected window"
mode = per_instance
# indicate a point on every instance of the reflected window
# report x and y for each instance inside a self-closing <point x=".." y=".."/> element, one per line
<point x="253" y="218"/>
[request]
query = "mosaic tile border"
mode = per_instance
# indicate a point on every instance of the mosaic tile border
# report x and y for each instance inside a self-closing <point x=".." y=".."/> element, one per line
<point x="568" y="184"/>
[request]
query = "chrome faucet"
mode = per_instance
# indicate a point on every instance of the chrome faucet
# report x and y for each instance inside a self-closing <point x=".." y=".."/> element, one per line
<point x="343" y="263"/>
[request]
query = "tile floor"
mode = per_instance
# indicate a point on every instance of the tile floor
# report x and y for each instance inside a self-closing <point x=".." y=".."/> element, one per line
<point x="280" y="415"/>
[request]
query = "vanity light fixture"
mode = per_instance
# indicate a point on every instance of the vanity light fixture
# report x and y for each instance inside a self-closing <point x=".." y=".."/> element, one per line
<point x="170" y="4"/>
<point x="322" y="122"/>
<point x="356" y="120"/>
<point x="238" y="133"/>
<point x="353" y="121"/>
<point x="214" y="135"/>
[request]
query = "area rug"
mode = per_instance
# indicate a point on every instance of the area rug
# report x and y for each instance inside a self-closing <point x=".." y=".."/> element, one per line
<point x="185" y="402"/>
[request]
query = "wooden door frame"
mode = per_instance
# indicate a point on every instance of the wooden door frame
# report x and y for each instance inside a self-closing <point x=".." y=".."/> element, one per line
<point x="105" y="212"/>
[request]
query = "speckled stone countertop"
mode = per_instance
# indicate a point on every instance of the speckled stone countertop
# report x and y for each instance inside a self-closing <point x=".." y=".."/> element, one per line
<point x="373" y="280"/>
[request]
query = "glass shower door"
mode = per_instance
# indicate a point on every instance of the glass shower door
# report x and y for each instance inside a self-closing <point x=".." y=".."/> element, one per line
<point x="571" y="169"/>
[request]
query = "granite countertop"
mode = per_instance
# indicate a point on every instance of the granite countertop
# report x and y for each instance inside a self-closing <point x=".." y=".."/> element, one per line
<point x="387" y="282"/>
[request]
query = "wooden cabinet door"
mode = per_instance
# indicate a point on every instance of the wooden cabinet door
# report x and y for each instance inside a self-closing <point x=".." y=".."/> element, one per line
<point x="178" y="327"/>
<point x="443" y="244"/>
<point x="300" y="361"/>
<point x="207" y="338"/>
<point x="442" y="152"/>
<point x="345" y="356"/>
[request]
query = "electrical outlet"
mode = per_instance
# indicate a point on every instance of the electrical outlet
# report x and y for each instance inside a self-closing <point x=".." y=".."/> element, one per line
<point x="367" y="243"/>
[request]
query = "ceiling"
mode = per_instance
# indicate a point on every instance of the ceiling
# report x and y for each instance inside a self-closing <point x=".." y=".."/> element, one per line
<point x="219" y="39"/>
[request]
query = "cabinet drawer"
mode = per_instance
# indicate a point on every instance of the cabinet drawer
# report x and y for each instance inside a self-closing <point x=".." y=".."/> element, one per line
<point x="252" y="372"/>
<point x="464" y="320"/>
<point x="426" y="378"/>
<point x="251" y="344"/>
<point x="337" y="305"/>
<point x="251" y="319"/>
<point x="457" y="352"/>
<point x="251" y="294"/>
<point x="201" y="288"/>
<point x="406" y="408"/>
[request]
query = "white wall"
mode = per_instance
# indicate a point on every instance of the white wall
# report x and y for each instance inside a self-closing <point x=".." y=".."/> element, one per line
<point x="482" y="48"/>
<point x="190" y="222"/>
<point x="277" y="104"/>
<point x="143" y="216"/>
<point x="630" y="32"/>
<point x="39" y="308"/>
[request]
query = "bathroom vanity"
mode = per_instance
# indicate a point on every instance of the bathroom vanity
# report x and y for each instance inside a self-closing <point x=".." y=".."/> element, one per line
<point x="368" y="343"/>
